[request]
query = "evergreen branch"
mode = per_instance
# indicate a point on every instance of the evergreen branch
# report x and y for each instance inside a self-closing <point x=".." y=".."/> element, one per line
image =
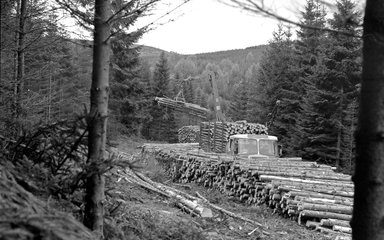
<point x="253" y="7"/>
<point x="45" y="44"/>
<point x="67" y="5"/>
<point x="137" y="11"/>
<point x="77" y="43"/>
<point x="42" y="12"/>
<point x="151" y="23"/>
<point x="167" y="13"/>
<point x="31" y="42"/>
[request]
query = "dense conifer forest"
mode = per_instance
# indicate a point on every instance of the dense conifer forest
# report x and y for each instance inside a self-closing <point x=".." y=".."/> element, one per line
<point x="310" y="77"/>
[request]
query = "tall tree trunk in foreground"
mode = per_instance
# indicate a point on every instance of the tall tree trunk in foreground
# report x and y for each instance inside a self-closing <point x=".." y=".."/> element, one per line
<point x="339" y="129"/>
<point x="94" y="209"/>
<point x="20" y="60"/>
<point x="368" y="213"/>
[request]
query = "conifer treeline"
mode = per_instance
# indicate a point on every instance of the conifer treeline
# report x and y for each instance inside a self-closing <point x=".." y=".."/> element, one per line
<point x="314" y="76"/>
<point x="316" y="79"/>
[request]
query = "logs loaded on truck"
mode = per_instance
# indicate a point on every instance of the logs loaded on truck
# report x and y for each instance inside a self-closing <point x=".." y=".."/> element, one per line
<point x="223" y="136"/>
<point x="237" y="138"/>
<point x="307" y="192"/>
<point x="241" y="160"/>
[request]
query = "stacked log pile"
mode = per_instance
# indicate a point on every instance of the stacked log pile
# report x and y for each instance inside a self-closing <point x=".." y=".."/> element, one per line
<point x="242" y="127"/>
<point x="307" y="192"/>
<point x="189" y="108"/>
<point x="215" y="135"/>
<point x="189" y="134"/>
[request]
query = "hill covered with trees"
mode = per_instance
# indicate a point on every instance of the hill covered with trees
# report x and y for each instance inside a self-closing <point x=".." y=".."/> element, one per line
<point x="314" y="77"/>
<point x="56" y="93"/>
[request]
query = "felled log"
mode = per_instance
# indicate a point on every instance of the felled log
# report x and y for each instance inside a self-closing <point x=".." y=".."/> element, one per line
<point x="321" y="215"/>
<point x="304" y="175"/>
<point x="308" y="186"/>
<point x="312" y="224"/>
<point x="329" y="222"/>
<point x="326" y="208"/>
<point x="345" y="201"/>
<point x="319" y="190"/>
<point x="294" y="197"/>
<point x="193" y="206"/>
<point x="330" y="183"/>
<point x="342" y="229"/>
<point x="231" y="214"/>
<point x="317" y="195"/>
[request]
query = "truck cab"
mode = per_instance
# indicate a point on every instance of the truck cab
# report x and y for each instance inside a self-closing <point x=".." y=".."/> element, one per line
<point x="253" y="146"/>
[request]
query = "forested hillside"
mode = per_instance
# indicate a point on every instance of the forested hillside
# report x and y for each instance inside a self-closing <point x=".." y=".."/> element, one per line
<point x="314" y="78"/>
<point x="66" y="103"/>
<point x="151" y="54"/>
<point x="310" y="82"/>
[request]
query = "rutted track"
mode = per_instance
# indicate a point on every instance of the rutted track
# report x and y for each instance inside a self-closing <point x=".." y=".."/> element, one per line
<point x="305" y="192"/>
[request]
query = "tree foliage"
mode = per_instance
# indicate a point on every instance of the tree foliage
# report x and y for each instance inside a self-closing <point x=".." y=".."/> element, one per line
<point x="314" y="78"/>
<point x="162" y="126"/>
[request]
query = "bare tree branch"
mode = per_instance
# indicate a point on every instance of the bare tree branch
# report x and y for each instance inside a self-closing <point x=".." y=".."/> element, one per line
<point x="151" y="23"/>
<point x="136" y="11"/>
<point x="68" y="6"/>
<point x="259" y="8"/>
<point x="166" y="14"/>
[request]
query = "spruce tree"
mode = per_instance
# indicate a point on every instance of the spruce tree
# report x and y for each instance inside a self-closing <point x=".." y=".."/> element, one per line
<point x="345" y="65"/>
<point x="309" y="53"/>
<point x="277" y="81"/>
<point x="127" y="87"/>
<point x="239" y="102"/>
<point x="163" y="126"/>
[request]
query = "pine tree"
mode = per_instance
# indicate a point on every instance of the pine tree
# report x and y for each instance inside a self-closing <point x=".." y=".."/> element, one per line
<point x="277" y="81"/>
<point x="127" y="87"/>
<point x="344" y="65"/>
<point x="309" y="53"/>
<point x="329" y="83"/>
<point x="239" y="102"/>
<point x="163" y="126"/>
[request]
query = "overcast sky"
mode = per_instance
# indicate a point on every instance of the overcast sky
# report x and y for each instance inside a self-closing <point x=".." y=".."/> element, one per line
<point x="209" y="25"/>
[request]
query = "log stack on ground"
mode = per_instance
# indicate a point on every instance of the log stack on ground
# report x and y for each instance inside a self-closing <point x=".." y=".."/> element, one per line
<point x="189" y="134"/>
<point x="300" y="190"/>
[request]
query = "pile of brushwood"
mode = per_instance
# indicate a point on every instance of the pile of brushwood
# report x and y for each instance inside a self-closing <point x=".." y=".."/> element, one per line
<point x="42" y="175"/>
<point x="23" y="216"/>
<point x="37" y="170"/>
<point x="42" y="189"/>
<point x="307" y="192"/>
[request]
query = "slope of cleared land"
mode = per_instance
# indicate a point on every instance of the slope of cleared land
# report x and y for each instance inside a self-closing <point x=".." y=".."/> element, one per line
<point x="166" y="216"/>
<point x="29" y="211"/>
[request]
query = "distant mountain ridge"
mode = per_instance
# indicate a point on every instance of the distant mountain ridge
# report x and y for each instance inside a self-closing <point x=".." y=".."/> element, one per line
<point x="151" y="54"/>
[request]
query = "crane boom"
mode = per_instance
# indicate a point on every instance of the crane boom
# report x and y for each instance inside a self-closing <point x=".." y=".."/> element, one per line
<point x="218" y="111"/>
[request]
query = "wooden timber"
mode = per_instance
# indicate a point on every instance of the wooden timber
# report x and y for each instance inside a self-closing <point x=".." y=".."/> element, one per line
<point x="305" y="191"/>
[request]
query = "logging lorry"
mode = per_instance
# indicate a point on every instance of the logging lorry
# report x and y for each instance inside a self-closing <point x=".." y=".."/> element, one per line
<point x="222" y="136"/>
<point x="253" y="146"/>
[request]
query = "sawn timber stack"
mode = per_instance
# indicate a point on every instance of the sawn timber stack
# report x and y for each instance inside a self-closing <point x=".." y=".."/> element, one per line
<point x="307" y="192"/>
